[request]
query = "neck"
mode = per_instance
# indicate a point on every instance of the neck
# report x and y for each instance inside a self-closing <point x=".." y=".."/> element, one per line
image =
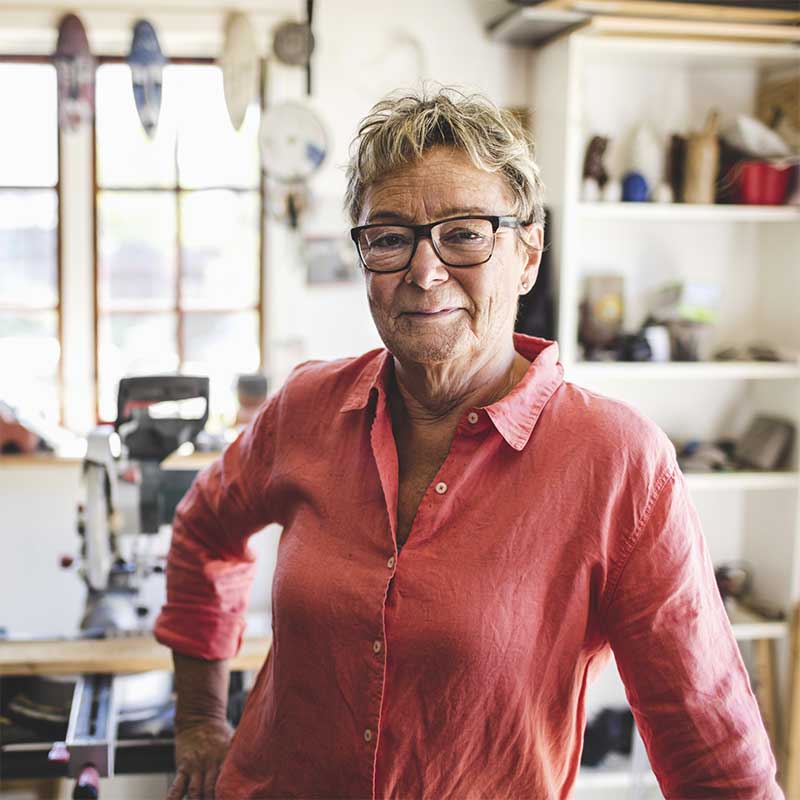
<point x="436" y="393"/>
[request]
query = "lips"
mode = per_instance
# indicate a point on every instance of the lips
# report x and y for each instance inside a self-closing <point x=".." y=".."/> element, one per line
<point x="436" y="312"/>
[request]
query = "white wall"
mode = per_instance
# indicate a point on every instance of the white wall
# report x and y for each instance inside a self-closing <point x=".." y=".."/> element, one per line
<point x="364" y="49"/>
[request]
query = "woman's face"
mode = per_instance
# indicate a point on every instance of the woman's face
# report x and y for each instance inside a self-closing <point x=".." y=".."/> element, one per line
<point x="432" y="313"/>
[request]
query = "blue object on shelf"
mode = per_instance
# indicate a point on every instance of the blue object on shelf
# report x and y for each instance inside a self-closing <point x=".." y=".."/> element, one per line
<point x="634" y="188"/>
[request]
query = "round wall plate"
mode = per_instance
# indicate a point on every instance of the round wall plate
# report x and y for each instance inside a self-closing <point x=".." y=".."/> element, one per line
<point x="293" y="142"/>
<point x="293" y="43"/>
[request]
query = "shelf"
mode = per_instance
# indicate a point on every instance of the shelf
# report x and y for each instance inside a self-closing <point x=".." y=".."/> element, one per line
<point x="745" y="631"/>
<point x="600" y="778"/>
<point x="694" y="370"/>
<point x="686" y="212"/>
<point x="735" y="481"/>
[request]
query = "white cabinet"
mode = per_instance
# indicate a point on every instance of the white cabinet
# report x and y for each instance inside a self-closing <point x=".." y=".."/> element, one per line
<point x="587" y="83"/>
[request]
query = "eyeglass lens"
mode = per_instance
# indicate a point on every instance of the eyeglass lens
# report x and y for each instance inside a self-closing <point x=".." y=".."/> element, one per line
<point x="462" y="242"/>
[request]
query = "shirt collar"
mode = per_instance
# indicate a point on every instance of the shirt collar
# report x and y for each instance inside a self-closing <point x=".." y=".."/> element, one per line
<point x="514" y="415"/>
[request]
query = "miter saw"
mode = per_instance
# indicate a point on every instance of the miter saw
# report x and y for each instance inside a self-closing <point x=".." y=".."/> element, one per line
<point x="128" y="497"/>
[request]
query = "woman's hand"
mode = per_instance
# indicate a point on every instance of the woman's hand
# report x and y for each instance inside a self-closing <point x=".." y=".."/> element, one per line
<point x="200" y="749"/>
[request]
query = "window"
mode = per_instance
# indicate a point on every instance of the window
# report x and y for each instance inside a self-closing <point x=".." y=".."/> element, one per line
<point x="30" y="318"/>
<point x="178" y="236"/>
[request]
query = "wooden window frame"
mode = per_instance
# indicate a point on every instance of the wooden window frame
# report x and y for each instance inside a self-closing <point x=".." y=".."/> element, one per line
<point x="177" y="191"/>
<point x="60" y="381"/>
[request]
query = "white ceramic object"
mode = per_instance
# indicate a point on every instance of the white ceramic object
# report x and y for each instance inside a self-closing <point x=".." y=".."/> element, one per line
<point x="647" y="155"/>
<point x="663" y="193"/>
<point x="612" y="191"/>
<point x="753" y="136"/>
<point x="590" y="190"/>
<point x="658" y="338"/>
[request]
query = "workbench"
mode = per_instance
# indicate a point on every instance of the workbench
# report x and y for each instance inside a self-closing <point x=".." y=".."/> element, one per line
<point x="109" y="656"/>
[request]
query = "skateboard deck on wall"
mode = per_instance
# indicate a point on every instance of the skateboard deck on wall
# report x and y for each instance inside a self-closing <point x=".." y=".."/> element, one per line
<point x="240" y="67"/>
<point x="75" y="71"/>
<point x="147" y="69"/>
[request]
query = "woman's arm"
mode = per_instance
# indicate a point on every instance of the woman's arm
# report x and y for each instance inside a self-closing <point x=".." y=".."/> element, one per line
<point x="202" y="733"/>
<point x="210" y="567"/>
<point x="683" y="672"/>
<point x="209" y="574"/>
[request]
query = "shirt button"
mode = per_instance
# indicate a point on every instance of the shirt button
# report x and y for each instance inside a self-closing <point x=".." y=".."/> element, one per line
<point x="441" y="487"/>
<point x="472" y="417"/>
<point x="376" y="646"/>
<point x="367" y="735"/>
<point x="390" y="562"/>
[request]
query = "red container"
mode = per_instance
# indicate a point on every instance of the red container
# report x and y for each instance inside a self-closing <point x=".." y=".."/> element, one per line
<point x="762" y="184"/>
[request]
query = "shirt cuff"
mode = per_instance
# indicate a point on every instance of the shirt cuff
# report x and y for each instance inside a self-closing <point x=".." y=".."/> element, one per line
<point x="198" y="632"/>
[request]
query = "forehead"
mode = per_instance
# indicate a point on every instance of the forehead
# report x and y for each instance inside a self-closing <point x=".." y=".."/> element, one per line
<point x="444" y="182"/>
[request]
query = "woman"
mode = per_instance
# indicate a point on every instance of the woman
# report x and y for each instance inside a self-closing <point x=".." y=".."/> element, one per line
<point x="466" y="537"/>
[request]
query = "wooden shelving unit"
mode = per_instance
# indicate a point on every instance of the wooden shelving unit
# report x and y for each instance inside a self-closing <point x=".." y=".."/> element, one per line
<point x="604" y="78"/>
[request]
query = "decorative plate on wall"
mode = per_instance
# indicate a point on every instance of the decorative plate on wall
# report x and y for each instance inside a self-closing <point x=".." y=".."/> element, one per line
<point x="293" y="142"/>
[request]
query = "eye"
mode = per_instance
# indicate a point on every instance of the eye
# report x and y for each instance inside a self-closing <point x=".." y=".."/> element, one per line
<point x="462" y="236"/>
<point x="388" y="241"/>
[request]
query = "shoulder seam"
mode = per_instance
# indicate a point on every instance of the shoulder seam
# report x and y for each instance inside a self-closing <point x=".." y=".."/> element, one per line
<point x="635" y="537"/>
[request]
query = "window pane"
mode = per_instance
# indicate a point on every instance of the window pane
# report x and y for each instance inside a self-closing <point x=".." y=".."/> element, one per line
<point x="29" y="128"/>
<point x="210" y="151"/>
<point x="29" y="356"/>
<point x="133" y="344"/>
<point x="221" y="346"/>
<point x="137" y="264"/>
<point x="220" y="232"/>
<point x="126" y="155"/>
<point x="28" y="249"/>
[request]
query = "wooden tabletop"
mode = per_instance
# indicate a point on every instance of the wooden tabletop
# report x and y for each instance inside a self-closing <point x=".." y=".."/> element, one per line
<point x="119" y="655"/>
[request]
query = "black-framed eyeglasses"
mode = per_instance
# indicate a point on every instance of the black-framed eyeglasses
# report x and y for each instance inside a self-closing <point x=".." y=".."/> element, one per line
<point x="466" y="241"/>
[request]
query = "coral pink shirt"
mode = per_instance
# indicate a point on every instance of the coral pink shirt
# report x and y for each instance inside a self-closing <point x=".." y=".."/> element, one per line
<point x="558" y="528"/>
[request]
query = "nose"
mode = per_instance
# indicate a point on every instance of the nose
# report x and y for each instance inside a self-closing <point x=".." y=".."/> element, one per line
<point x="426" y="268"/>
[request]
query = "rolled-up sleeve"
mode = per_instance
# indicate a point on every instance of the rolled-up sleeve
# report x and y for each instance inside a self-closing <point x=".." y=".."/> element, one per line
<point x="683" y="673"/>
<point x="210" y="568"/>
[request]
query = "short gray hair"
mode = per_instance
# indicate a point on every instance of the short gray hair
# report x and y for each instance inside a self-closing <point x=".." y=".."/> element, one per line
<point x="401" y="127"/>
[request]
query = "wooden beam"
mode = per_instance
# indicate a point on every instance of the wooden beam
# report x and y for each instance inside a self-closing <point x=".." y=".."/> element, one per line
<point x="685" y="29"/>
<point x="686" y="11"/>
<point x="791" y="762"/>
<point x="767" y="690"/>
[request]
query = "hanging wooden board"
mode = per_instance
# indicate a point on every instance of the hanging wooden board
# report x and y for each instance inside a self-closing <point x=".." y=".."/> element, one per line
<point x="147" y="71"/>
<point x="75" y="70"/>
<point x="240" y="64"/>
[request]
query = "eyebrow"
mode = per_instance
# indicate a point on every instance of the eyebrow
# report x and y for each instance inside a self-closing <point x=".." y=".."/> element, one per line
<point x="397" y="216"/>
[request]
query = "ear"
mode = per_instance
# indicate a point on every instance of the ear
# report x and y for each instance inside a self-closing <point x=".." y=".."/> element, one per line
<point x="533" y="236"/>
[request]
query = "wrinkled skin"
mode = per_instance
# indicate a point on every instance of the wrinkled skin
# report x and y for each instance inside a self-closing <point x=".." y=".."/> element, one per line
<point x="454" y="357"/>
<point x="200" y="750"/>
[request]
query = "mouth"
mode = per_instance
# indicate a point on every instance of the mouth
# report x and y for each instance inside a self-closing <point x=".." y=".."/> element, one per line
<point x="431" y="314"/>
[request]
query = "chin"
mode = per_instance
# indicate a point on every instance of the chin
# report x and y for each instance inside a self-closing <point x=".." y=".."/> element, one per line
<point x="433" y="348"/>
